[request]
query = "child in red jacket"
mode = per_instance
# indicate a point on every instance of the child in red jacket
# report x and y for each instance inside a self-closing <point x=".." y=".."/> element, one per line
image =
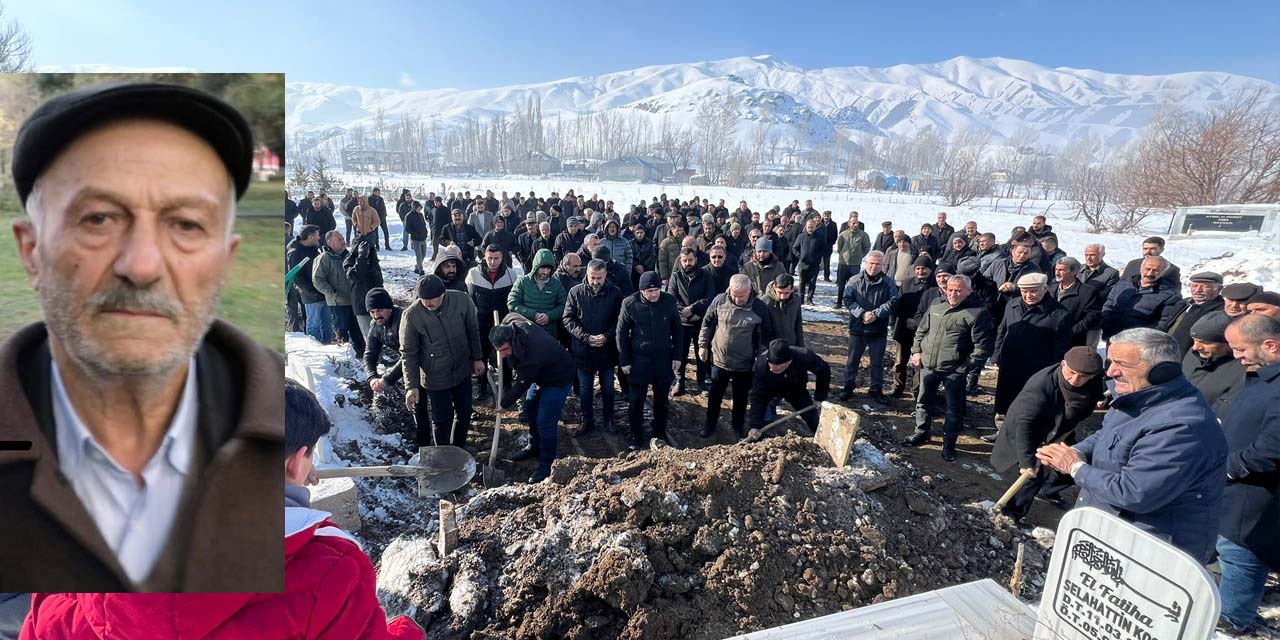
<point x="329" y="581"/>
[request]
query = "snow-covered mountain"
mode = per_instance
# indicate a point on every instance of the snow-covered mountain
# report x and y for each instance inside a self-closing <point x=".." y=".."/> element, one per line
<point x="999" y="94"/>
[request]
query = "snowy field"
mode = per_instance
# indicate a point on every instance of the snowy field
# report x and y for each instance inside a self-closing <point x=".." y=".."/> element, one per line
<point x="1239" y="259"/>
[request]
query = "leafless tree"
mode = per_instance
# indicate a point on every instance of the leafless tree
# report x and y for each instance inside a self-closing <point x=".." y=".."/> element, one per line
<point x="15" y="46"/>
<point x="716" y="122"/>
<point x="965" y="172"/>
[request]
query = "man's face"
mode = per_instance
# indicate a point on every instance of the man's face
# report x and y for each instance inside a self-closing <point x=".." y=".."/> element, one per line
<point x="985" y="243"/>
<point x="499" y="224"/>
<point x="449" y="269"/>
<point x="941" y="279"/>
<point x="432" y="303"/>
<point x="132" y="247"/>
<point x="958" y="244"/>
<point x="1037" y="224"/>
<point x="761" y="256"/>
<point x="595" y="279"/>
<point x="942" y="218"/>
<point x="591" y="243"/>
<point x="1208" y="350"/>
<point x="742" y="206"/>
<point x="639" y="232"/>
<point x="504" y="350"/>
<point x="1151" y="270"/>
<point x="543" y="273"/>
<point x="783" y="294"/>
<point x="1049" y="245"/>
<point x="739" y="296"/>
<point x="573" y="266"/>
<point x="380" y="316"/>
<point x="957" y="292"/>
<point x="1092" y="257"/>
<point x="1063" y="274"/>
<point x="316" y="204"/>
<point x="1020" y="253"/>
<point x="1265" y="309"/>
<point x="1151" y="249"/>
<point x="779" y="368"/>
<point x="922" y="272"/>
<point x="753" y="236"/>
<point x="1032" y="295"/>
<point x="1202" y="291"/>
<point x="1235" y="308"/>
<point x="1127" y="368"/>
<point x="688" y="262"/>
<point x="971" y="228"/>
<point x="493" y="260"/>
<point x="811" y="226"/>
<point x="457" y="218"/>
<point x="677" y="231"/>
<point x="1252" y="355"/>
<point x="1073" y="377"/>
<point x="717" y="258"/>
<point x="545" y="229"/>
<point x="875" y="264"/>
<point x="651" y="295"/>
<point x="926" y="231"/>
<point x="336" y="243"/>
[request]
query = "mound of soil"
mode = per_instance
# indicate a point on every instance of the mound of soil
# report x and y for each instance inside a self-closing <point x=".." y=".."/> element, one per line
<point x="701" y="543"/>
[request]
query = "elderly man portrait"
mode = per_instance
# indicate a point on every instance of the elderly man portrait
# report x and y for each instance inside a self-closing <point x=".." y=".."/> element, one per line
<point x="155" y="430"/>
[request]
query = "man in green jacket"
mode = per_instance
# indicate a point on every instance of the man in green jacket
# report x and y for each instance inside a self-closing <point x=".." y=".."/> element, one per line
<point x="954" y="336"/>
<point x="440" y="349"/>
<point x="330" y="279"/>
<point x="538" y="296"/>
<point x="852" y="246"/>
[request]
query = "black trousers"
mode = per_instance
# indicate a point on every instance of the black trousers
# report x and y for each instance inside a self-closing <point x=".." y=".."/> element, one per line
<point x="295" y="314"/>
<point x="952" y="383"/>
<point x="902" y="361"/>
<point x="826" y="265"/>
<point x="423" y="435"/>
<point x="720" y="381"/>
<point x="635" y="409"/>
<point x="700" y="366"/>
<point x="843" y="273"/>
<point x="451" y="413"/>
<point x="808" y="280"/>
<point x="386" y="235"/>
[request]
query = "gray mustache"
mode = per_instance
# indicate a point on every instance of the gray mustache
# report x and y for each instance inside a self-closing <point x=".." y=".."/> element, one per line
<point x="129" y="298"/>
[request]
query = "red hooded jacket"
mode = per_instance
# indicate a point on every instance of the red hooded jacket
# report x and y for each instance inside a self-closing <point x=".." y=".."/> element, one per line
<point x="329" y="594"/>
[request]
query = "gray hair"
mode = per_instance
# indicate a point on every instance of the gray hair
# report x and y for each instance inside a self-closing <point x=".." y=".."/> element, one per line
<point x="876" y="253"/>
<point x="331" y="233"/>
<point x="1102" y="249"/>
<point x="1153" y="346"/>
<point x="1164" y="264"/>
<point x="568" y="257"/>
<point x="958" y="277"/>
<point x="738" y="282"/>
<point x="1070" y="263"/>
<point x="597" y="265"/>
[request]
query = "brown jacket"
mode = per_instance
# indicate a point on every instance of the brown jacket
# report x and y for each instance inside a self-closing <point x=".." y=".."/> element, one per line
<point x="226" y="536"/>
<point x="438" y="347"/>
<point x="365" y="219"/>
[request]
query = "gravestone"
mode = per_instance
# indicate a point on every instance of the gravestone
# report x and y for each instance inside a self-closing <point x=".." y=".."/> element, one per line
<point x="837" y="429"/>
<point x="1109" y="579"/>
<point x="1239" y="218"/>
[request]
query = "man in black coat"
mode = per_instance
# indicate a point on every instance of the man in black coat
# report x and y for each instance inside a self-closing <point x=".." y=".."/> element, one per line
<point x="382" y="346"/>
<point x="1153" y="246"/>
<point x="1004" y="273"/>
<point x="871" y="298"/>
<point x="380" y="205"/>
<point x="905" y="321"/>
<point x="306" y="247"/>
<point x="615" y="273"/>
<point x="462" y="235"/>
<point x="1097" y="272"/>
<point x="808" y="249"/>
<point x="693" y="291"/>
<point x="544" y="375"/>
<point x="1054" y="401"/>
<point x="719" y="268"/>
<point x="1250" y="523"/>
<point x="364" y="272"/>
<point x="926" y="242"/>
<point x="489" y="284"/>
<point x="1210" y="365"/>
<point x="591" y="318"/>
<point x="290" y="211"/>
<point x="440" y="217"/>
<point x="1081" y="300"/>
<point x="649" y="336"/>
<point x="831" y="231"/>
<point x="320" y="215"/>
<point x="569" y="240"/>
<point x="505" y="241"/>
<point x="782" y="373"/>
<point x="1206" y="297"/>
<point x="1034" y="333"/>
<point x="884" y="240"/>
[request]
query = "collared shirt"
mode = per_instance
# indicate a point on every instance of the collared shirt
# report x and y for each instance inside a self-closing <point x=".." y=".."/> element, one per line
<point x="134" y="518"/>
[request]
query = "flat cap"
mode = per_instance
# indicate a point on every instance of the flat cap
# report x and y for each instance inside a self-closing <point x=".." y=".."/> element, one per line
<point x="1033" y="280"/>
<point x="54" y="125"/>
<point x="1266" y="297"/>
<point x="1212" y="327"/>
<point x="1241" y="291"/>
<point x="1207" y="276"/>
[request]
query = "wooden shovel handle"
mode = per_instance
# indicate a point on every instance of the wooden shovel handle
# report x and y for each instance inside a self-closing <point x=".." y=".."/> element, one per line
<point x="1015" y="487"/>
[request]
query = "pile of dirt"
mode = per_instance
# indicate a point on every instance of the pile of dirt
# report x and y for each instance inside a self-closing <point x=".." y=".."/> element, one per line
<point x="703" y="543"/>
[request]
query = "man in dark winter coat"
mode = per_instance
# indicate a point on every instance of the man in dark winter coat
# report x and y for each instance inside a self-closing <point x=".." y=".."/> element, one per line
<point x="615" y="273"/>
<point x="1054" y="401"/>
<point x="782" y="373"/>
<point x="830" y="231"/>
<point x="904" y="325"/>
<point x="1206" y="298"/>
<point x="943" y="231"/>
<point x="376" y="201"/>
<point x="764" y="266"/>
<point x="871" y="298"/>
<point x="451" y="270"/>
<point x="1153" y="247"/>
<point x="649" y="336"/>
<point x="1145" y="300"/>
<point x="364" y="272"/>
<point x="505" y="241"/>
<point x="1050" y="253"/>
<point x="808" y="249"/>
<point x="926" y="242"/>
<point x="440" y="349"/>
<point x="417" y="229"/>
<point x="544" y="375"/>
<point x="784" y="310"/>
<point x="885" y="239"/>
<point x="1160" y="459"/>
<point x="489" y="285"/>
<point x="693" y="290"/>
<point x="463" y="236"/>
<point x="306" y="247"/>
<point x="956" y="250"/>
<point x="734" y="330"/>
<point x="569" y="240"/>
<point x="719" y="268"/>
<point x="1004" y="273"/>
<point x="383" y="344"/>
<point x="1081" y="300"/>
<point x="1038" y="227"/>
<point x="1096" y="271"/>
<point x="1210" y="365"/>
<point x="953" y="338"/>
<point x="591" y="318"/>
<point x="1250" y="524"/>
<point x="440" y="217"/>
<point x="644" y="254"/>
<point x="1034" y="333"/>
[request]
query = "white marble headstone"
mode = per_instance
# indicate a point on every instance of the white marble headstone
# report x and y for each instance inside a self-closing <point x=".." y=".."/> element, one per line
<point x="1109" y="579"/>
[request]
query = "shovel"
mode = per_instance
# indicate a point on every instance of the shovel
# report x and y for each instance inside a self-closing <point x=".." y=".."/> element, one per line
<point x="754" y="435"/>
<point x="1014" y="488"/>
<point x="439" y="470"/>
<point x="491" y="476"/>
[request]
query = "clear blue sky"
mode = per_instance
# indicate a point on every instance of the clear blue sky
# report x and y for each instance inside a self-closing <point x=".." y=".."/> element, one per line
<point x="480" y="43"/>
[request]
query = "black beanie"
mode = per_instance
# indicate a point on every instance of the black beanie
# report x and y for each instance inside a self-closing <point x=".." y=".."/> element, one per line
<point x="430" y="286"/>
<point x="779" y="352"/>
<point x="377" y="298"/>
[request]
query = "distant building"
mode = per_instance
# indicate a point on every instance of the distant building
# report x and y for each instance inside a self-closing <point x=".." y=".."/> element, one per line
<point x="630" y="169"/>
<point x="367" y="159"/>
<point x="1001" y="176"/>
<point x="683" y="175"/>
<point x="534" y="163"/>
<point x="869" y="179"/>
<point x="581" y="167"/>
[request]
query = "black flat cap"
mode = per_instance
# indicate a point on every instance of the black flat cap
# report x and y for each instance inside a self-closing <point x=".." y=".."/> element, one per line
<point x="1241" y="291"/>
<point x="55" y="124"/>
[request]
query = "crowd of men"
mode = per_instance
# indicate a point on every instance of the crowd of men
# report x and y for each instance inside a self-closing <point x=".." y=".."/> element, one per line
<point x="672" y="298"/>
